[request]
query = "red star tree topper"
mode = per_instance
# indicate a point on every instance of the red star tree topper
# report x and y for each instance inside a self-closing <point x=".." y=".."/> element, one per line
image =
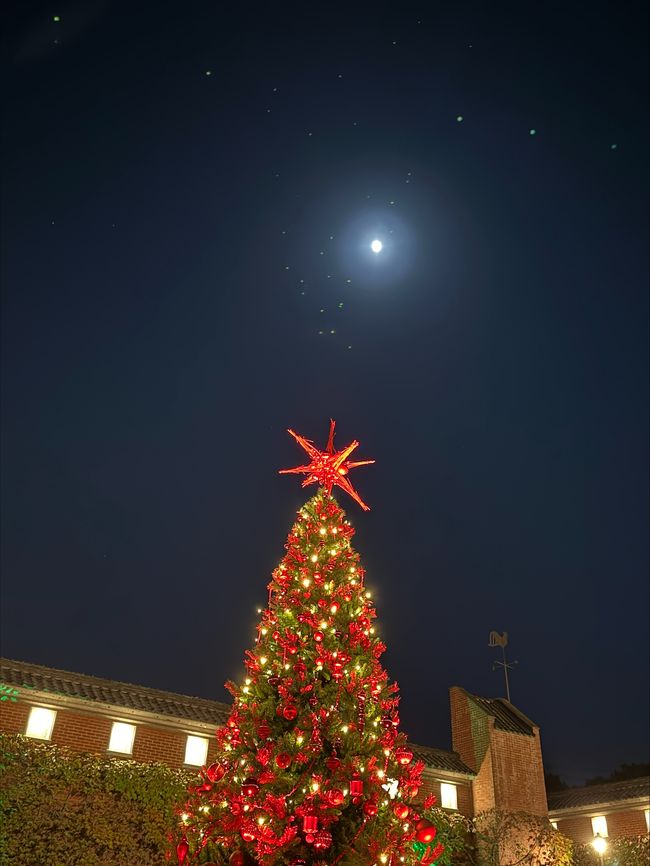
<point x="329" y="467"/>
<point x="311" y="766"/>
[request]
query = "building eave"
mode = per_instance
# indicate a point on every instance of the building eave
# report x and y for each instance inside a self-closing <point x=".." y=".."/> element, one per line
<point x="593" y="809"/>
<point x="439" y="775"/>
<point x="115" y="712"/>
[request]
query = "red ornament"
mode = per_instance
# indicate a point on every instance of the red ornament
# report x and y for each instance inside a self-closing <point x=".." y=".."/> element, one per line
<point x="250" y="787"/>
<point x="403" y="756"/>
<point x="300" y="668"/>
<point x="264" y="730"/>
<point x="328" y="468"/>
<point x="425" y="831"/>
<point x="356" y="787"/>
<point x="401" y="810"/>
<point x="322" y="840"/>
<point x="237" y="858"/>
<point x="333" y="763"/>
<point x="318" y="636"/>
<point x="309" y="823"/>
<point x="283" y="760"/>
<point x="337" y="670"/>
<point x="247" y="834"/>
<point x="370" y="808"/>
<point x="335" y="797"/>
<point x="215" y="772"/>
<point x="182" y="850"/>
<point x="289" y="712"/>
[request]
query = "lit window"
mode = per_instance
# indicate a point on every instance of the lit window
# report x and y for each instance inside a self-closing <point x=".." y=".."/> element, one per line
<point x="647" y="820"/>
<point x="599" y="825"/>
<point x="40" y="723"/>
<point x="554" y="825"/>
<point x="196" y="751"/>
<point x="448" y="796"/>
<point x="122" y="736"/>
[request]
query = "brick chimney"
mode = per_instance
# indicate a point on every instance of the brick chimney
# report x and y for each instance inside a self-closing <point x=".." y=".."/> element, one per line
<point x="503" y="748"/>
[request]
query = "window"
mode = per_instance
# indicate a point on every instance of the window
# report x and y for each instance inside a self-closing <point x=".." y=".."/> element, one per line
<point x="599" y="825"/>
<point x="448" y="796"/>
<point x="196" y="750"/>
<point x="647" y="820"/>
<point x="40" y="723"/>
<point x="554" y="825"/>
<point x="122" y="736"/>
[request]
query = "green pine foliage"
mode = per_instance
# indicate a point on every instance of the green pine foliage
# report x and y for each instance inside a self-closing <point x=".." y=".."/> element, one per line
<point x="312" y="767"/>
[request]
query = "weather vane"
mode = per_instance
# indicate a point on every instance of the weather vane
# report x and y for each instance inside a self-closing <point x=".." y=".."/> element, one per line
<point x="328" y="468"/>
<point x="501" y="640"/>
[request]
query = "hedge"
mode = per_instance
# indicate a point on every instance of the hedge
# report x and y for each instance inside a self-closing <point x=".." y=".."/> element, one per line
<point x="63" y="808"/>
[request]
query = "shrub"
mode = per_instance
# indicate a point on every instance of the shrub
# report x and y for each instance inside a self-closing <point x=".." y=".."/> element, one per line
<point x="63" y="808"/>
<point x="628" y="851"/>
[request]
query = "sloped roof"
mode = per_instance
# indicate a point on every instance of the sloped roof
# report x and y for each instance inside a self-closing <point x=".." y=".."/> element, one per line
<point x="74" y="685"/>
<point x="609" y="792"/>
<point x="506" y="716"/>
<point x="439" y="759"/>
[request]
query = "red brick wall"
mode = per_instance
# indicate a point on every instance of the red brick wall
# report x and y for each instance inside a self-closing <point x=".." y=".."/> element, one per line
<point x="577" y="828"/>
<point x="13" y="717"/>
<point x="518" y="772"/>
<point x="484" y="793"/>
<point x="463" y="742"/>
<point x="629" y="823"/>
<point x="509" y="767"/>
<point x="91" y="733"/>
<point x="461" y="727"/>
<point x="464" y="792"/>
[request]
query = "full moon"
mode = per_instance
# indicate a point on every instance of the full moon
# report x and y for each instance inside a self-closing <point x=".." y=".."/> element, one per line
<point x="376" y="246"/>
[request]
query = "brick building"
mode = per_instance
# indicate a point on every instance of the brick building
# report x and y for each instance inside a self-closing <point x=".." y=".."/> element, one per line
<point x="611" y="810"/>
<point x="496" y="763"/>
<point x="502" y="746"/>
<point x="89" y="714"/>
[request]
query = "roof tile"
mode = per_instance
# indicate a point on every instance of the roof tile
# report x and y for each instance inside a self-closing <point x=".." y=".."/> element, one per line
<point x="609" y="792"/>
<point x="31" y="676"/>
<point x="439" y="759"/>
<point x="506" y="716"/>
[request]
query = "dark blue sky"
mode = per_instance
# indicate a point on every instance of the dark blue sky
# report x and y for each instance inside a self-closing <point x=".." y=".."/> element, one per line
<point x="160" y="226"/>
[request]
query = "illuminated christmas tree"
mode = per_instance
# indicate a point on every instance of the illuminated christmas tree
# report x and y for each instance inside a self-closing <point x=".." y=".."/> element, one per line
<point x="312" y="768"/>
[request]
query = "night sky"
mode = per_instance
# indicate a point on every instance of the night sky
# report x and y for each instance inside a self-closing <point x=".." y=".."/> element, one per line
<point x="190" y="192"/>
